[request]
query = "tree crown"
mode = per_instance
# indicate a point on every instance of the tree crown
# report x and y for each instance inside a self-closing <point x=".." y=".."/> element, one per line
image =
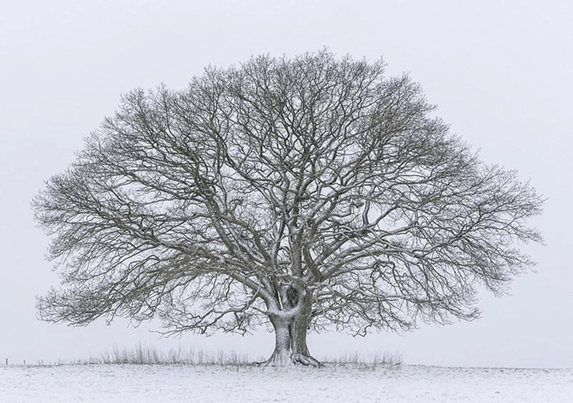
<point x="318" y="173"/>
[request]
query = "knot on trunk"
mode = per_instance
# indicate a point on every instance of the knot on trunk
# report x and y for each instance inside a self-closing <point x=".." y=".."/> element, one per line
<point x="292" y="296"/>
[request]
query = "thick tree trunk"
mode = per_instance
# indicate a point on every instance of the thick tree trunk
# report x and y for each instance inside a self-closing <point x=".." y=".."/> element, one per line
<point x="290" y="326"/>
<point x="290" y="344"/>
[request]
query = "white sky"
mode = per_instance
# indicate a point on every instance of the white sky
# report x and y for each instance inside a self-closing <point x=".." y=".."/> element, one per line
<point x="501" y="73"/>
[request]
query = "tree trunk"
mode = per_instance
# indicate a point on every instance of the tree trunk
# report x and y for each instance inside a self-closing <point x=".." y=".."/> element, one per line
<point x="290" y="326"/>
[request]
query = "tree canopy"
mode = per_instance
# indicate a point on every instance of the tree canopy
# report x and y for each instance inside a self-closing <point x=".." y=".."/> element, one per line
<point x="304" y="193"/>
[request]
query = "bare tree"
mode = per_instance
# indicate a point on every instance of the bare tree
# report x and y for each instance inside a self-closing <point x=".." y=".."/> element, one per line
<point x="308" y="193"/>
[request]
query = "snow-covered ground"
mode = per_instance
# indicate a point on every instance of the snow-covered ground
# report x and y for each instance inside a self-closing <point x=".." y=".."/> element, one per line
<point x="181" y="383"/>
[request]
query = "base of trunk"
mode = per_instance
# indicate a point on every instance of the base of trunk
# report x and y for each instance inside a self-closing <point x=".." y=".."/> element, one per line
<point x="285" y="359"/>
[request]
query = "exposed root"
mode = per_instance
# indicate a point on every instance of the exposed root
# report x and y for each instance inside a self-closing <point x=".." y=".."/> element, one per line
<point x="306" y="360"/>
<point x="293" y="360"/>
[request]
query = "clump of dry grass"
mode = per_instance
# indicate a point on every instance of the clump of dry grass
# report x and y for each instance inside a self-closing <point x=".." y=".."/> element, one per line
<point x="143" y="354"/>
<point x="148" y="355"/>
<point x="386" y="360"/>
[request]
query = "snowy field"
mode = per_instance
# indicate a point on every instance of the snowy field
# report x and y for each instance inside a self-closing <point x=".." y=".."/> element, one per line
<point x="349" y="383"/>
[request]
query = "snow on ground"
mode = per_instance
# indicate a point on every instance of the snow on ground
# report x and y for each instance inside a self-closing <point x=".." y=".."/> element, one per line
<point x="348" y="383"/>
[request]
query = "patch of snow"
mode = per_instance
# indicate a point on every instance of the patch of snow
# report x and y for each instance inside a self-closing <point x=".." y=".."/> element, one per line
<point x="336" y="383"/>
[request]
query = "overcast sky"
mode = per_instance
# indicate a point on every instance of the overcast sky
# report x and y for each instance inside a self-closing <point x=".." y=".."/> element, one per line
<point x="501" y="73"/>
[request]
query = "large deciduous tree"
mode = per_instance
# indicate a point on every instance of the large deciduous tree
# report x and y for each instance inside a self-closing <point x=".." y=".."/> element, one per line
<point x="304" y="193"/>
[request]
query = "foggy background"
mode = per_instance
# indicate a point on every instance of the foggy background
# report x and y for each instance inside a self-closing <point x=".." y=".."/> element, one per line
<point x="501" y="73"/>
